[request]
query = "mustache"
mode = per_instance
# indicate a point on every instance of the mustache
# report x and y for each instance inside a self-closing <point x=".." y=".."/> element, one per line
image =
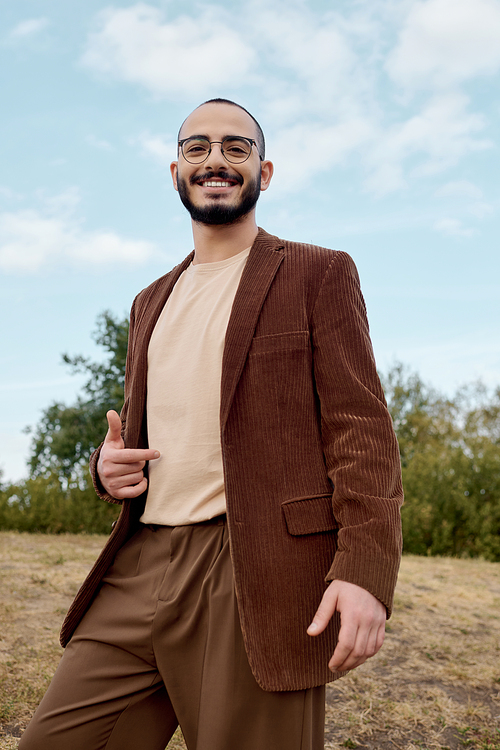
<point x="221" y="175"/>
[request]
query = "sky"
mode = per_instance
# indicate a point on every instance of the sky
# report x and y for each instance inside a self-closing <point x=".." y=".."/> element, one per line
<point x="381" y="118"/>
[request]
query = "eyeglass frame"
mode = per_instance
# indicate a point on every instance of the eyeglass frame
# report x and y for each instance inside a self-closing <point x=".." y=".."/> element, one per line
<point x="252" y="142"/>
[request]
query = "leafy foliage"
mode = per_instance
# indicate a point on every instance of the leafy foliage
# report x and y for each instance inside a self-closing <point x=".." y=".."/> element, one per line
<point x="450" y="456"/>
<point x="58" y="496"/>
<point x="43" y="504"/>
<point x="67" y="435"/>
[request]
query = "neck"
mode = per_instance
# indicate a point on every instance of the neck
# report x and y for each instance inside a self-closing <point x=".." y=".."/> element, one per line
<point x="221" y="241"/>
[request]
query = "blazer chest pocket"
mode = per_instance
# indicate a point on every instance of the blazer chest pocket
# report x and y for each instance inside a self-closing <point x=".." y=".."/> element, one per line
<point x="309" y="515"/>
<point x="279" y="343"/>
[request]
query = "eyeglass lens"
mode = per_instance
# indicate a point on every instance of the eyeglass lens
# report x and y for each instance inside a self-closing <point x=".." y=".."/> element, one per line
<point x="234" y="149"/>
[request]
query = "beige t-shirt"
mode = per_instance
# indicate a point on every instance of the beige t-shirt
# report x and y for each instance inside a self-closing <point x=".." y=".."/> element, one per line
<point x="186" y="484"/>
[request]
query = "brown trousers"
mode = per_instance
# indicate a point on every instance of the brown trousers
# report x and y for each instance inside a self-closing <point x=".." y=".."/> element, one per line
<point x="161" y="646"/>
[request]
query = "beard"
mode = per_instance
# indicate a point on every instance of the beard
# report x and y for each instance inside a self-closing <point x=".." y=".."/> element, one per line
<point x="216" y="211"/>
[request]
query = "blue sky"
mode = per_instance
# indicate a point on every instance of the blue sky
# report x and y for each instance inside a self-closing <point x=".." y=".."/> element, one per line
<point x="381" y="117"/>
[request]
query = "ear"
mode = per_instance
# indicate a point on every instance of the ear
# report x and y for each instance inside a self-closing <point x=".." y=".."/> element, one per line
<point x="266" y="172"/>
<point x="173" y="172"/>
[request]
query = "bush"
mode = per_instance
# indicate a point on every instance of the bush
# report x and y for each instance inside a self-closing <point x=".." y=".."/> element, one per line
<point x="42" y="504"/>
<point x="450" y="456"/>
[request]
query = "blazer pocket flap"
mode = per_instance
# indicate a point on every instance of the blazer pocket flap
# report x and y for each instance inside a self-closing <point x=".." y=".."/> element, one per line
<point x="309" y="515"/>
<point x="280" y="342"/>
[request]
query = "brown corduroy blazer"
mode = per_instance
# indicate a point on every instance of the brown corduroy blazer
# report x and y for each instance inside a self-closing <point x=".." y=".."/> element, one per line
<point x="311" y="463"/>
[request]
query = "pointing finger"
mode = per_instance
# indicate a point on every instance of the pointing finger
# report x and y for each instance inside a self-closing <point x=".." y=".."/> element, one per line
<point x="138" y="455"/>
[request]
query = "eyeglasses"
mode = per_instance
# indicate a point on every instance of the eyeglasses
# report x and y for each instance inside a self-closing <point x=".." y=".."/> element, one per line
<point x="234" y="148"/>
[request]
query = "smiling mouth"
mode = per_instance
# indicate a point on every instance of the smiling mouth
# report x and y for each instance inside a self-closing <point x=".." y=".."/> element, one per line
<point x="216" y="183"/>
<point x="221" y="180"/>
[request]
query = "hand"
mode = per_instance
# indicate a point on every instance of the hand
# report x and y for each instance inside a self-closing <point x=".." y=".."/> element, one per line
<point x="120" y="469"/>
<point x="362" y="628"/>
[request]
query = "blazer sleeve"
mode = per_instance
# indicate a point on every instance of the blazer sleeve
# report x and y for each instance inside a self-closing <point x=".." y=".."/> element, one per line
<point x="94" y="458"/>
<point x="359" y="443"/>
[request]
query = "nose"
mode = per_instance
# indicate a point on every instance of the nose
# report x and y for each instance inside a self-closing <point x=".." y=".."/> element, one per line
<point x="216" y="159"/>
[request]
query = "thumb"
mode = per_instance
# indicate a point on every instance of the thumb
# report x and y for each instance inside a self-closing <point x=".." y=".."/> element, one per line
<point x="114" y="430"/>
<point x="324" y="613"/>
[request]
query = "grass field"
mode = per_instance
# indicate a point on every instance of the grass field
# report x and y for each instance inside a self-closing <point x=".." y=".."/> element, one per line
<point x="434" y="685"/>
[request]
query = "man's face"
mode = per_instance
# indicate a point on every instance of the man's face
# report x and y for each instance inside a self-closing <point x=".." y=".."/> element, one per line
<point x="218" y="192"/>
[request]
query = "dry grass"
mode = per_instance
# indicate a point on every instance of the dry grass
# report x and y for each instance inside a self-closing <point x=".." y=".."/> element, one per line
<point x="435" y="684"/>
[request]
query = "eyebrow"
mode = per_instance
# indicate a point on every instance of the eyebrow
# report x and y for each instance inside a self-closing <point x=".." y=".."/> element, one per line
<point x="229" y="135"/>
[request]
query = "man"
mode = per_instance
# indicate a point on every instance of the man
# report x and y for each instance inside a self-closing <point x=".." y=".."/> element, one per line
<point x="255" y="557"/>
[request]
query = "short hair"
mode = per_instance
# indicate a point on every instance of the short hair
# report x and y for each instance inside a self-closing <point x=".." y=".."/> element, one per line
<point x="261" y="142"/>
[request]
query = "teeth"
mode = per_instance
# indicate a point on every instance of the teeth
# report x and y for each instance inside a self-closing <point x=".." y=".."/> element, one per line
<point x="216" y="183"/>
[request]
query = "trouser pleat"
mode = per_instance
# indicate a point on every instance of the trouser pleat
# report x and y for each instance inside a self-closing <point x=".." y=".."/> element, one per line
<point x="161" y="645"/>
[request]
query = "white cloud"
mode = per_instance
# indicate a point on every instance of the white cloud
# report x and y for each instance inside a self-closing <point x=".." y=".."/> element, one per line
<point x="29" y="28"/>
<point x="31" y="239"/>
<point x="341" y="97"/>
<point x="463" y="190"/>
<point x="61" y="204"/>
<point x="321" y="74"/>
<point x="438" y="137"/>
<point x="308" y="148"/>
<point x="98" y="143"/>
<point x="480" y="209"/>
<point x="317" y="51"/>
<point x="184" y="57"/>
<point x="320" y="78"/>
<point x="445" y="42"/>
<point x="459" y="189"/>
<point x="8" y="194"/>
<point x="162" y="148"/>
<point x="453" y="228"/>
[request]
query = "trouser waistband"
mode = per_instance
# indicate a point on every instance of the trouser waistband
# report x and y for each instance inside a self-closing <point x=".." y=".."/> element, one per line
<point x="215" y="521"/>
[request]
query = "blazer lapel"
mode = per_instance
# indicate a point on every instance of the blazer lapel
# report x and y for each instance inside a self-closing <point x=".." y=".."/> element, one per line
<point x="264" y="260"/>
<point x="152" y="307"/>
<point x="146" y="319"/>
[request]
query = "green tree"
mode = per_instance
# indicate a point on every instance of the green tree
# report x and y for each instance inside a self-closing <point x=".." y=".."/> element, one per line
<point x="66" y="435"/>
<point x="59" y="496"/>
<point x="450" y="456"/>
